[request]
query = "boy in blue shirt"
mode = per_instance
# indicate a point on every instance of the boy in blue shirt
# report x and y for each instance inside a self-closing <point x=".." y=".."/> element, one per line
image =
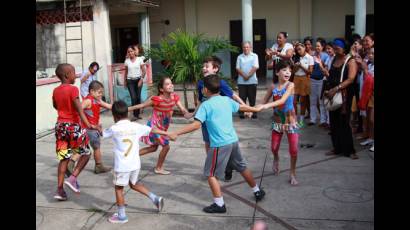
<point x="216" y="113"/>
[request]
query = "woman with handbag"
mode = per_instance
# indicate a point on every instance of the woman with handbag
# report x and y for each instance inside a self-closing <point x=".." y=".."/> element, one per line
<point x="338" y="95"/>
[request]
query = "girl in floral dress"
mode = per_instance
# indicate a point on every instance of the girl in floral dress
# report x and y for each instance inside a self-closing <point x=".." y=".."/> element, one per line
<point x="162" y="111"/>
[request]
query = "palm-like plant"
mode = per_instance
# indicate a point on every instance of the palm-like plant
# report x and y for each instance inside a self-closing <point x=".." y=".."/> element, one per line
<point x="186" y="53"/>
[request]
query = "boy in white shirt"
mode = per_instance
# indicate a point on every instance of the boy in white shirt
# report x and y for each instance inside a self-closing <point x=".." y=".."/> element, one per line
<point x="127" y="164"/>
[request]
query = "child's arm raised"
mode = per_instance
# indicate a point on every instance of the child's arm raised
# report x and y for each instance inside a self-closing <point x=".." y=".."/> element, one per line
<point x="146" y="103"/>
<point x="186" y="113"/>
<point x="281" y="101"/>
<point x="247" y="108"/>
<point x="105" y="104"/>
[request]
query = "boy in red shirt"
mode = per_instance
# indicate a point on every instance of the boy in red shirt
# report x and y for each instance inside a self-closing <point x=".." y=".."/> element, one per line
<point x="70" y="136"/>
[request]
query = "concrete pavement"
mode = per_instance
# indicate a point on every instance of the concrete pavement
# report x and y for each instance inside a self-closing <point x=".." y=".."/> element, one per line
<point x="334" y="192"/>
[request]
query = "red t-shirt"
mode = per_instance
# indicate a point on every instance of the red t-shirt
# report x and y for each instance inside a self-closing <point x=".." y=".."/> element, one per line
<point x="93" y="113"/>
<point x="64" y="96"/>
<point x="163" y="104"/>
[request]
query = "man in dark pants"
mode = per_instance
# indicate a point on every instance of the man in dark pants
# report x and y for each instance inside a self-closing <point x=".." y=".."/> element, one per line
<point x="246" y="65"/>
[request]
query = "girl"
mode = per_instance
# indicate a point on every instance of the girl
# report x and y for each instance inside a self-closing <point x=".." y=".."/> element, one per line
<point x="160" y="119"/>
<point x="303" y="69"/>
<point x="284" y="118"/>
<point x="134" y="74"/>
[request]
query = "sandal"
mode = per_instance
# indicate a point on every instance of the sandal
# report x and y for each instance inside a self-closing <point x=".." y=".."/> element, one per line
<point x="161" y="172"/>
<point x="293" y="180"/>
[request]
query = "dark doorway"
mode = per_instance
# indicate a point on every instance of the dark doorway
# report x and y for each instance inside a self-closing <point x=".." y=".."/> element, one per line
<point x="126" y="37"/>
<point x="349" y="25"/>
<point x="259" y="45"/>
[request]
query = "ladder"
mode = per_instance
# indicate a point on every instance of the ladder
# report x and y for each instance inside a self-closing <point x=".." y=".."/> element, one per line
<point x="68" y="40"/>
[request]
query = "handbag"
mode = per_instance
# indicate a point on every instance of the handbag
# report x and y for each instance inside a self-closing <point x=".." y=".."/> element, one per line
<point x="337" y="100"/>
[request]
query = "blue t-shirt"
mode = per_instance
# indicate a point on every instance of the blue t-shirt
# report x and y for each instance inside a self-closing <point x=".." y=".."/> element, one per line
<point x="216" y="112"/>
<point x="316" y="73"/>
<point x="224" y="90"/>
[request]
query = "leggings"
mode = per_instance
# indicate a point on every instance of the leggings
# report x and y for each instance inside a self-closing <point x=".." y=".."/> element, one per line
<point x="293" y="139"/>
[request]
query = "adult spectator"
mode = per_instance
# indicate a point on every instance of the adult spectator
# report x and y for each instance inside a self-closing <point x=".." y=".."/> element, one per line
<point x="246" y="65"/>
<point x="281" y="50"/>
<point x="316" y="83"/>
<point x="341" y="131"/>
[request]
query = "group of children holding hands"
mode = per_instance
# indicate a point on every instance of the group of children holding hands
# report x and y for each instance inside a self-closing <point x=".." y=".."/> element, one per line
<point x="78" y="127"/>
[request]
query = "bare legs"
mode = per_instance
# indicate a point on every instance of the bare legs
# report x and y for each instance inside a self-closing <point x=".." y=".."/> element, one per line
<point x="162" y="155"/>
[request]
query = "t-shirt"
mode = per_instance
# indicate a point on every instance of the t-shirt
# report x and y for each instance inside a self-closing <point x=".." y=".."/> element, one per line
<point x="84" y="86"/>
<point x="224" y="90"/>
<point x="134" y="68"/>
<point x="317" y="73"/>
<point x="163" y="104"/>
<point x="285" y="48"/>
<point x="126" y="135"/>
<point x="216" y="112"/>
<point x="245" y="63"/>
<point x="64" y="96"/>
<point x="305" y="61"/>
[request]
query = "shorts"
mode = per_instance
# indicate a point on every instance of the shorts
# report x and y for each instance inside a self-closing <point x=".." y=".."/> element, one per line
<point x="205" y="135"/>
<point x="95" y="138"/>
<point x="70" y="138"/>
<point x="124" y="178"/>
<point x="217" y="160"/>
<point x="236" y="161"/>
<point x="302" y="85"/>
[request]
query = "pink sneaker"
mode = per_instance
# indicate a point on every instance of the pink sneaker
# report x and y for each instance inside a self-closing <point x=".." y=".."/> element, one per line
<point x="115" y="219"/>
<point x="72" y="183"/>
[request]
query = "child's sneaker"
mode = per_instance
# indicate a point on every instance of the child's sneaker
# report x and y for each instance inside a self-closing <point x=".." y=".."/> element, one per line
<point x="115" y="219"/>
<point x="214" y="208"/>
<point x="372" y="148"/>
<point x="159" y="203"/>
<point x="72" y="183"/>
<point x="367" y="142"/>
<point x="60" y="195"/>
<point x="259" y="194"/>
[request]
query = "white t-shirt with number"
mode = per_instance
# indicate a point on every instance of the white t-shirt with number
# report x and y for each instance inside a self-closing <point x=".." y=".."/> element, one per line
<point x="134" y="68"/>
<point x="305" y="61"/>
<point x="126" y="135"/>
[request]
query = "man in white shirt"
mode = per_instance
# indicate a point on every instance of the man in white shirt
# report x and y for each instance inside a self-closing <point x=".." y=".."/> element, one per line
<point x="246" y="65"/>
<point x="127" y="164"/>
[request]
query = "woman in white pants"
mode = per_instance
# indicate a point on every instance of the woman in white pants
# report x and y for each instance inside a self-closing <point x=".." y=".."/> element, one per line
<point x="316" y="84"/>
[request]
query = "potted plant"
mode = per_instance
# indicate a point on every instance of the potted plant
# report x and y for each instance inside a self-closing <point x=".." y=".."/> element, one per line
<point x="182" y="55"/>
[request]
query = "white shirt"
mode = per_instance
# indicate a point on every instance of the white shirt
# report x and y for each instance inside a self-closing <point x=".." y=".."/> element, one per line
<point x="126" y="135"/>
<point x="84" y="86"/>
<point x="245" y="63"/>
<point x="285" y="48"/>
<point x="305" y="61"/>
<point x="134" y="68"/>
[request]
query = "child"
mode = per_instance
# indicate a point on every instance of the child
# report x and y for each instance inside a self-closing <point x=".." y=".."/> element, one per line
<point x="161" y="118"/>
<point x="211" y="65"/>
<point x="284" y="117"/>
<point x="216" y="112"/>
<point x="127" y="163"/>
<point x="87" y="77"/>
<point x="70" y="136"/>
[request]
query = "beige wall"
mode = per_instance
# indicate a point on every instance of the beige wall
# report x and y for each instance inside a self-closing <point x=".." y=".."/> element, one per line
<point x="172" y="10"/>
<point x="46" y="115"/>
<point x="329" y="16"/>
<point x="213" y="16"/>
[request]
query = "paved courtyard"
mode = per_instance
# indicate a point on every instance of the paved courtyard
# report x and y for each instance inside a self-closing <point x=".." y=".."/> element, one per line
<point x="333" y="192"/>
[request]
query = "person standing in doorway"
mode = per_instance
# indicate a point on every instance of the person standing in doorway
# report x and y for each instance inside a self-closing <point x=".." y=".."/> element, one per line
<point x="134" y="75"/>
<point x="246" y="65"/>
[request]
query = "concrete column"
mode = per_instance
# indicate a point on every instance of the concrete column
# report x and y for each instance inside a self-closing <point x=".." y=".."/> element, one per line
<point x="145" y="41"/>
<point x="360" y="17"/>
<point x="102" y="41"/>
<point x="247" y="29"/>
<point x="190" y="16"/>
<point x="305" y="18"/>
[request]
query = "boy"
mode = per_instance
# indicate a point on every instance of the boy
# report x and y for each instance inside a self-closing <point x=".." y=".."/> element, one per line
<point x="212" y="65"/>
<point x="216" y="112"/>
<point x="126" y="135"/>
<point x="87" y="77"/>
<point x="70" y="136"/>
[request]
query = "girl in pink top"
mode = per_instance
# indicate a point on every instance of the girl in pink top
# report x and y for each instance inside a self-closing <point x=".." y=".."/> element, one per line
<point x="163" y="105"/>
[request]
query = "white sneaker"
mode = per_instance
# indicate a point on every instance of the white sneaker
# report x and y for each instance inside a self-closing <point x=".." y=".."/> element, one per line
<point x="372" y="148"/>
<point x="367" y="142"/>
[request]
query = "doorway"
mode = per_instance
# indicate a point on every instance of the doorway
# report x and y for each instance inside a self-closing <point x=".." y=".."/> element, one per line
<point x="259" y="45"/>
<point x="349" y="25"/>
<point x="125" y="37"/>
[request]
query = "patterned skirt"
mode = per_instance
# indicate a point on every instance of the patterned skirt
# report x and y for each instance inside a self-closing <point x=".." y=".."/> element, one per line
<point x="158" y="120"/>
